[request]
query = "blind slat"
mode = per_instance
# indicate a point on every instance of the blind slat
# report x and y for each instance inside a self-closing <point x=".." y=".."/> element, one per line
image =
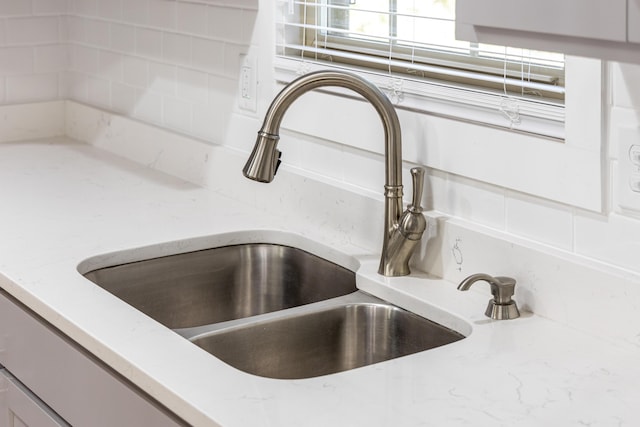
<point x="328" y="54"/>
<point x="489" y="55"/>
<point x="421" y="50"/>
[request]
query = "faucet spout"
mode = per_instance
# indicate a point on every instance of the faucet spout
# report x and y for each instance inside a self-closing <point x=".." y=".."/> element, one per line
<point x="264" y="160"/>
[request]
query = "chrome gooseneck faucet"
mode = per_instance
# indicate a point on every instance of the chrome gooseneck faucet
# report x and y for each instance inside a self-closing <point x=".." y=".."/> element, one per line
<point x="402" y="230"/>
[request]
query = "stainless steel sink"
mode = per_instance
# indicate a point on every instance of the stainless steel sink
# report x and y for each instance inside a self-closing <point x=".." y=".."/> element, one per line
<point x="271" y="310"/>
<point x="221" y="284"/>
<point x="325" y="341"/>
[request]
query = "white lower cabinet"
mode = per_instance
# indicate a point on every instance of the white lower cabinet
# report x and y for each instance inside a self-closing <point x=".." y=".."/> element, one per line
<point x="19" y="407"/>
<point x="51" y="381"/>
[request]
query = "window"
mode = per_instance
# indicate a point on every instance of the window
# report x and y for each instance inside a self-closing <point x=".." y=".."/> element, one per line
<point x="408" y="48"/>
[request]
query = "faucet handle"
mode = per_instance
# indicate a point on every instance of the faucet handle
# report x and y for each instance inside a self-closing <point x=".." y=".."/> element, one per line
<point x="501" y="306"/>
<point x="417" y="176"/>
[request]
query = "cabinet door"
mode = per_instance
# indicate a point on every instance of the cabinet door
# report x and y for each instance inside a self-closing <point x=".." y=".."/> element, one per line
<point x="594" y="19"/>
<point x="72" y="382"/>
<point x="21" y="408"/>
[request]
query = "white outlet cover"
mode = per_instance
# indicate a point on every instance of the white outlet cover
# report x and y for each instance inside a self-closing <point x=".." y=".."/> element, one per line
<point x="248" y="83"/>
<point x="628" y="173"/>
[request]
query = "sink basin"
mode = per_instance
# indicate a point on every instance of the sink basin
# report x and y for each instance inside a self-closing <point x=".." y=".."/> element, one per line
<point x="226" y="283"/>
<point x="326" y="341"/>
<point x="271" y="310"/>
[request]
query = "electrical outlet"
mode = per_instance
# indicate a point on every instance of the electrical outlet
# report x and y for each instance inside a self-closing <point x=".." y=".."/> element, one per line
<point x="248" y="84"/>
<point x="628" y="181"/>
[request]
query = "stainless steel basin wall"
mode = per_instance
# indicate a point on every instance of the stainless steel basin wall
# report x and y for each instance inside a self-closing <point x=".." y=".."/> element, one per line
<point x="350" y="332"/>
<point x="226" y="283"/>
<point x="271" y="310"/>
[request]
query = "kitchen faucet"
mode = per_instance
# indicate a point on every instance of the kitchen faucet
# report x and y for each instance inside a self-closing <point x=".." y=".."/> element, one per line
<point x="402" y="231"/>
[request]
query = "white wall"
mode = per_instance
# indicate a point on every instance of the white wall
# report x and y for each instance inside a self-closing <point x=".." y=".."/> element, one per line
<point x="175" y="64"/>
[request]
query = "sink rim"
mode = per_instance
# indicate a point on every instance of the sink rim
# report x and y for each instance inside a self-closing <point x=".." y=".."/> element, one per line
<point x="213" y="241"/>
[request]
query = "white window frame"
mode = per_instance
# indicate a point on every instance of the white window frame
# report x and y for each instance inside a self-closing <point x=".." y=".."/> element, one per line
<point x="484" y="105"/>
<point x="570" y="171"/>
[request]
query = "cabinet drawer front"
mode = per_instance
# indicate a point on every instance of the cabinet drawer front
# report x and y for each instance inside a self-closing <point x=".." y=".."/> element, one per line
<point x="73" y="383"/>
<point x="30" y="411"/>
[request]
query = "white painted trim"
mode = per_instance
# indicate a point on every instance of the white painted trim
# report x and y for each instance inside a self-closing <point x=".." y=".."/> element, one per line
<point x="569" y="172"/>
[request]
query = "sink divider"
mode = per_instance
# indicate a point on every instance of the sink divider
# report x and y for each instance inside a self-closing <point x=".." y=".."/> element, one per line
<point x="356" y="297"/>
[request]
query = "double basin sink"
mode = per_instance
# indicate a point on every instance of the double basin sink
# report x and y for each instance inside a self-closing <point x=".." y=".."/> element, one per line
<point x="271" y="310"/>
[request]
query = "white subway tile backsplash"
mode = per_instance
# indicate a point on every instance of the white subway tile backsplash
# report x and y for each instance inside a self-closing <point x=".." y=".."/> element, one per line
<point x="136" y="71"/>
<point x="162" y="78"/>
<point x="31" y="30"/>
<point x="31" y="88"/>
<point x="58" y="7"/>
<point x="208" y="55"/>
<point x="162" y="14"/>
<point x="177" y="114"/>
<point x="542" y="221"/>
<point x="249" y="18"/>
<point x="159" y="55"/>
<point x="191" y="18"/>
<point x="611" y="238"/>
<point x="76" y="29"/>
<point x="365" y="170"/>
<point x="222" y="93"/>
<point x="51" y="58"/>
<point x="243" y="4"/>
<point x="149" y="43"/>
<point x="99" y="92"/>
<point x="85" y="59"/>
<point x="232" y="58"/>
<point x="467" y="199"/>
<point x="192" y="86"/>
<point x="135" y="12"/>
<point x="176" y="49"/>
<point x="98" y="33"/>
<point x="77" y="86"/>
<point x="225" y="24"/>
<point x="16" y="60"/>
<point x="15" y="7"/>
<point x="148" y="106"/>
<point x="85" y="7"/>
<point x="123" y="38"/>
<point x="318" y="157"/>
<point x="123" y="98"/>
<point x="110" y="9"/>
<point x="2" y="32"/>
<point x="110" y="66"/>
<point x="205" y="124"/>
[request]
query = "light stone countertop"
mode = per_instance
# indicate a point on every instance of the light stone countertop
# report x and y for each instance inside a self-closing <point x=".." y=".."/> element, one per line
<point x="65" y="202"/>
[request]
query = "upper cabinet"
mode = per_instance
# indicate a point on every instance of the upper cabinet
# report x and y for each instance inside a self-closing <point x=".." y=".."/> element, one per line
<point x="633" y="23"/>
<point x="593" y="28"/>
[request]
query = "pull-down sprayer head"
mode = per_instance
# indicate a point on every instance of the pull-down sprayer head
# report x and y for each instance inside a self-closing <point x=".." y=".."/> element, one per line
<point x="264" y="160"/>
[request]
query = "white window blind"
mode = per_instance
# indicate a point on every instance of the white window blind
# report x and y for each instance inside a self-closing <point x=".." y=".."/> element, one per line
<point x="408" y="48"/>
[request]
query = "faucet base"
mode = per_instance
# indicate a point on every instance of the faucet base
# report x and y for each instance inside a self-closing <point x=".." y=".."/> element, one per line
<point x="502" y="311"/>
